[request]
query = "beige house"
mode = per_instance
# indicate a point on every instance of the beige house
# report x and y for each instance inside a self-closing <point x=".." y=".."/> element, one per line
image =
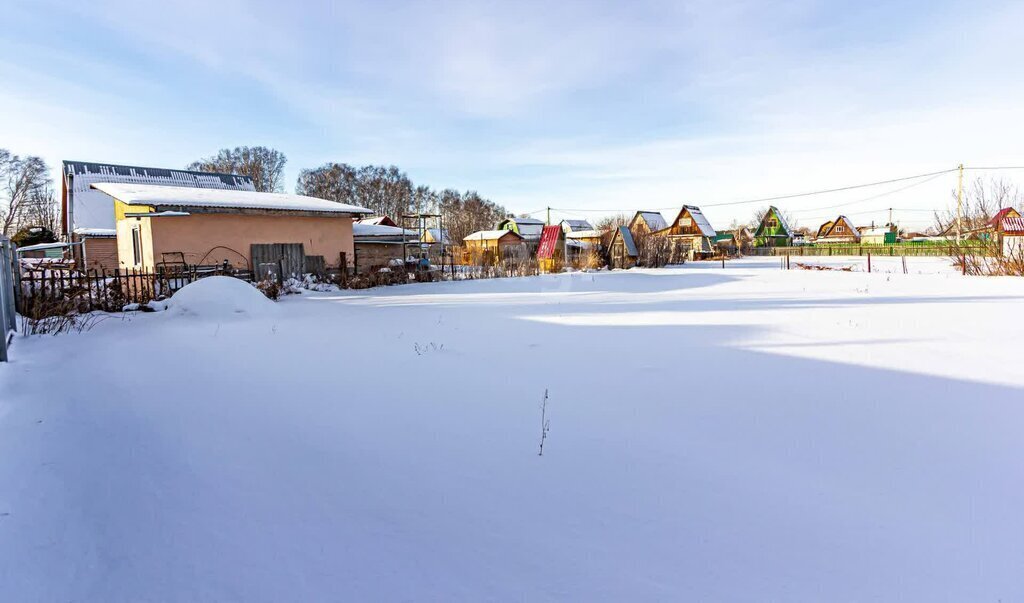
<point x="167" y="224"/>
<point x="490" y="247"/>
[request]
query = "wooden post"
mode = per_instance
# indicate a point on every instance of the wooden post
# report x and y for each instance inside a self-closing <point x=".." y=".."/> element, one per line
<point x="869" y="262"/>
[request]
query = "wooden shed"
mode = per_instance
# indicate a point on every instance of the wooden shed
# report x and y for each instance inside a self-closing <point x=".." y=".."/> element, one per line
<point x="622" y="251"/>
<point x="490" y="247"/>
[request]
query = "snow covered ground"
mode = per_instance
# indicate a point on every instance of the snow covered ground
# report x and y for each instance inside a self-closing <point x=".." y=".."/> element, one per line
<point x="745" y="434"/>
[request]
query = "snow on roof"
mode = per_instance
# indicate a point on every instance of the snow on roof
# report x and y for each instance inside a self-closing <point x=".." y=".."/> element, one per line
<point x="489" y="235"/>
<point x="93" y="209"/>
<point x="383" y="220"/>
<point x="96" y="232"/>
<point x="584" y="234"/>
<point x="522" y="221"/>
<point x="148" y="194"/>
<point x="654" y="220"/>
<point x="875" y="232"/>
<point x="1013" y="226"/>
<point x="574" y="225"/>
<point x="700" y="220"/>
<point x="852" y="230"/>
<point x="364" y="229"/>
<point x="42" y="246"/>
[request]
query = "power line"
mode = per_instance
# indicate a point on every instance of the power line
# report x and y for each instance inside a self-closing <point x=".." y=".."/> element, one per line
<point x="873" y="197"/>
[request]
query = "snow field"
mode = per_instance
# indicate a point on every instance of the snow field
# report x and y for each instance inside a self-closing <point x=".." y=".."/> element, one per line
<point x="742" y="434"/>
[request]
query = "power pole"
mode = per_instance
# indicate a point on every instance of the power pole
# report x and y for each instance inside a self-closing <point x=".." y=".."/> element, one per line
<point x="549" y="216"/>
<point x="890" y="216"/>
<point x="960" y="204"/>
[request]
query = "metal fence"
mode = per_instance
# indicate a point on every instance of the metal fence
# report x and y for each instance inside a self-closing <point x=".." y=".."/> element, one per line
<point x="8" y="276"/>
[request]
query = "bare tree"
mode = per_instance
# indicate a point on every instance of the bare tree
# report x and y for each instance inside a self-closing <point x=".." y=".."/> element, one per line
<point x="264" y="165"/>
<point x="25" y="181"/>
<point x="982" y="199"/>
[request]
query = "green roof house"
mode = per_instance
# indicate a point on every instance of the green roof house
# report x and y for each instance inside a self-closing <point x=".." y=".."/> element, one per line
<point x="773" y="231"/>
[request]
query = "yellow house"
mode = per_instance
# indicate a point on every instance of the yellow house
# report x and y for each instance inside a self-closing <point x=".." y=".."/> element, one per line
<point x="213" y="226"/>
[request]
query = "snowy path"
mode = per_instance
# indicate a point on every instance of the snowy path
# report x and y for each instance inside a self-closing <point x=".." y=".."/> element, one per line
<point x="743" y="434"/>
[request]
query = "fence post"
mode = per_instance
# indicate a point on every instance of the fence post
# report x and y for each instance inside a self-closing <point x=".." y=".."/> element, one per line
<point x="869" y="262"/>
<point x="7" y="310"/>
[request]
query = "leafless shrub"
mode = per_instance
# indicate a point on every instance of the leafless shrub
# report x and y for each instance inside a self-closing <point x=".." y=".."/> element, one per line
<point x="653" y="251"/>
<point x="44" y="316"/>
<point x="991" y="264"/>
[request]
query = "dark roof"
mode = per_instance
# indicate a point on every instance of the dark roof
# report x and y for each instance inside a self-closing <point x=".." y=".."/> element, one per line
<point x="80" y="168"/>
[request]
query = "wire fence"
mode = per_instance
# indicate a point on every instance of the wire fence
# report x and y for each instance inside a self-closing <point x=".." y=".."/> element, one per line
<point x="894" y="250"/>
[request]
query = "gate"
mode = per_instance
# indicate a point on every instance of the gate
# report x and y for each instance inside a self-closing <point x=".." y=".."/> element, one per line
<point x="278" y="261"/>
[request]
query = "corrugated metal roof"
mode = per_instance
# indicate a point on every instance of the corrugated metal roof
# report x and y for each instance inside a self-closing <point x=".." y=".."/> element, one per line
<point x="574" y="225"/>
<point x="93" y="209"/>
<point x="178" y="196"/>
<point x="1014" y="226"/>
<point x="653" y="219"/>
<point x="548" y="242"/>
<point x="702" y="222"/>
<point x="627" y="240"/>
<point x="1002" y="214"/>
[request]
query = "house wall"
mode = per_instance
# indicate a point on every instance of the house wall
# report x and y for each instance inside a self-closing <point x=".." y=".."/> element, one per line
<point x="125" y="257"/>
<point x="213" y="238"/>
<point x="369" y="255"/>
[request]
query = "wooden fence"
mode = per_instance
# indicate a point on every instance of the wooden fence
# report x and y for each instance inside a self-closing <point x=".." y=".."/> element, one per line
<point x="8" y="280"/>
<point x="44" y="291"/>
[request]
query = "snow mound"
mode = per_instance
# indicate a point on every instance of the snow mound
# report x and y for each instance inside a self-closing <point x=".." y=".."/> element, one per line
<point x="221" y="297"/>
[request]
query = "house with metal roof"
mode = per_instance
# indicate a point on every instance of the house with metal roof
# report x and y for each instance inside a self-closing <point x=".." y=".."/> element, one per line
<point x="690" y="235"/>
<point x="1011" y="229"/>
<point x="773" y="230"/>
<point x="87" y="214"/>
<point x="202" y="226"/>
<point x="645" y="222"/>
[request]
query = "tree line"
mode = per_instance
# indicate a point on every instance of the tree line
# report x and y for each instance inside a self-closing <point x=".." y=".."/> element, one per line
<point x="385" y="190"/>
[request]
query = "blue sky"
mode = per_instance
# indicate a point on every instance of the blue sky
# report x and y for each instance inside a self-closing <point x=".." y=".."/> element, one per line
<point x="583" y="105"/>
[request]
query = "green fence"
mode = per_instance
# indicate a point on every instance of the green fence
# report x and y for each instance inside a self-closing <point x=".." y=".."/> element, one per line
<point x="895" y="250"/>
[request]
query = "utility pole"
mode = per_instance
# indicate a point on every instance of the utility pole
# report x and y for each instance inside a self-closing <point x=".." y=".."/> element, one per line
<point x="549" y="216"/>
<point x="890" y="216"/>
<point x="960" y="204"/>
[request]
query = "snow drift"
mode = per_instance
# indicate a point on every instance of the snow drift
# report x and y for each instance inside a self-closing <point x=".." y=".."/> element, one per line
<point x="221" y="297"/>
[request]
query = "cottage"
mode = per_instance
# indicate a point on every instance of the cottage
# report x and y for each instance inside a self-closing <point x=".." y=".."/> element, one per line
<point x="823" y="229"/>
<point x="158" y="224"/>
<point x="490" y="247"/>
<point x="529" y="229"/>
<point x="622" y="251"/>
<point x="840" y="230"/>
<point x="994" y="228"/>
<point x="690" y="235"/>
<point x="87" y="214"/>
<point x="646" y="222"/>
<point x="1012" y="234"/>
<point x="773" y="231"/>
<point x="734" y="241"/>
<point x="377" y="244"/>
